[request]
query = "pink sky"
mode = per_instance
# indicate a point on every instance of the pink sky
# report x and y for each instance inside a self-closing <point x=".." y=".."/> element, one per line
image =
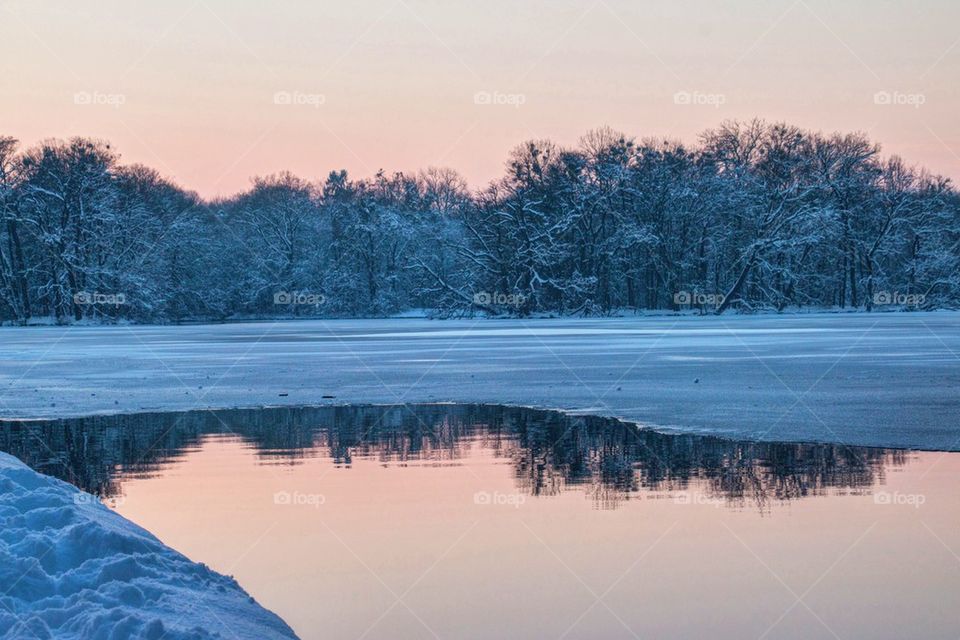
<point x="192" y="87"/>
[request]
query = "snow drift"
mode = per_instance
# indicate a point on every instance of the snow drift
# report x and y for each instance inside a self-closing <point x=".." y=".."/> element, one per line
<point x="71" y="568"/>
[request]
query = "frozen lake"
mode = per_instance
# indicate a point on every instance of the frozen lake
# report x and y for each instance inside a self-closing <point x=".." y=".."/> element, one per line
<point x="457" y="521"/>
<point x="888" y="379"/>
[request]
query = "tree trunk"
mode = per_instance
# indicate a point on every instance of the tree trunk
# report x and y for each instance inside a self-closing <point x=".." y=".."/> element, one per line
<point x="735" y="289"/>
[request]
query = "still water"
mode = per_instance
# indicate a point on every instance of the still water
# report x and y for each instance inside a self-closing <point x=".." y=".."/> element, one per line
<point x="463" y="521"/>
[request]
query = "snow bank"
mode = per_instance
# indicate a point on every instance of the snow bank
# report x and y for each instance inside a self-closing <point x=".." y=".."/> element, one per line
<point x="71" y="568"/>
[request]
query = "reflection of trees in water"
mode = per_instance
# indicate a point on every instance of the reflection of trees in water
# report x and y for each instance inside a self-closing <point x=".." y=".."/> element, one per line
<point x="90" y="452"/>
<point x="550" y="451"/>
<point x="614" y="459"/>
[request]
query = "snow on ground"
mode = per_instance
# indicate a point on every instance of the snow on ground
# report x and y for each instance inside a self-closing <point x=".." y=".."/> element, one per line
<point x="886" y="379"/>
<point x="71" y="568"/>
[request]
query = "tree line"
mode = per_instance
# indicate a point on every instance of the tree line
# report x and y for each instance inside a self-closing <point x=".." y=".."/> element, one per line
<point x="754" y="216"/>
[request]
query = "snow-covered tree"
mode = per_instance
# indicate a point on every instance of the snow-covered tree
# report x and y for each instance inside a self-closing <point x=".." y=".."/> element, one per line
<point x="755" y="216"/>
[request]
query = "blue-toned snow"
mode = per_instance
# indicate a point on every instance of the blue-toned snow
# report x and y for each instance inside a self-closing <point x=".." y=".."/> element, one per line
<point x="71" y="568"/>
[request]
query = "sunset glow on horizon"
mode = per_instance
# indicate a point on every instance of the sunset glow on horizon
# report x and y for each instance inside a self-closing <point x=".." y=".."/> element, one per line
<point x="214" y="92"/>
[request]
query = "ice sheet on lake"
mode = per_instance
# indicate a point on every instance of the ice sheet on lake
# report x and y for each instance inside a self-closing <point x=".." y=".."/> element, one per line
<point x="882" y="379"/>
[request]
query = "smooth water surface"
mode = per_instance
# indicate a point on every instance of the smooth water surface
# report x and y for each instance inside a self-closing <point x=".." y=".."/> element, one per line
<point x="465" y="521"/>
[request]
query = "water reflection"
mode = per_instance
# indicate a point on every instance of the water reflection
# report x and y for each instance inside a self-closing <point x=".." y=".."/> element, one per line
<point x="550" y="452"/>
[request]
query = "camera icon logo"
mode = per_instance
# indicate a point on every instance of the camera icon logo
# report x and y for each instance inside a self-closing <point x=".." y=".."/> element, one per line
<point x="82" y="297"/>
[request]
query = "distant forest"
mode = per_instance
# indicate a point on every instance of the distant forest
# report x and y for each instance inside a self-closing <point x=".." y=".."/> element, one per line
<point x="756" y="216"/>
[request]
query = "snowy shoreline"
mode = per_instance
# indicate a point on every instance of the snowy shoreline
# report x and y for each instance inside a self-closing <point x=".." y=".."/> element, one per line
<point x="72" y="568"/>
